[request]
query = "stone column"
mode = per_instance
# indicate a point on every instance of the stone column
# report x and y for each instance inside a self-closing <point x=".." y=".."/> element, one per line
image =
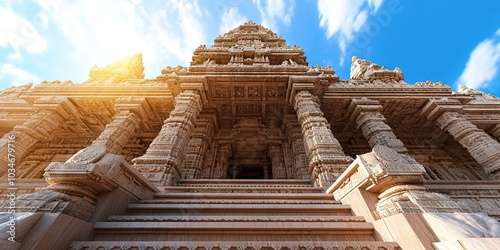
<point x="484" y="149"/>
<point x="326" y="158"/>
<point x="368" y="117"/>
<point x="197" y="147"/>
<point x="277" y="162"/>
<point x="495" y="131"/>
<point x="266" y="171"/>
<point x="50" y="113"/>
<point x="220" y="170"/>
<point x="296" y="144"/>
<point x="163" y="159"/>
<point x="125" y="121"/>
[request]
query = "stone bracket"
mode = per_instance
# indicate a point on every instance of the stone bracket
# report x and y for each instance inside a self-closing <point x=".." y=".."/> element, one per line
<point x="435" y="107"/>
<point x="377" y="171"/>
<point x="97" y="173"/>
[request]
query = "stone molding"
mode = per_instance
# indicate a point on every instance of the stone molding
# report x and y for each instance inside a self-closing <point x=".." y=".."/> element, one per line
<point x="236" y="245"/>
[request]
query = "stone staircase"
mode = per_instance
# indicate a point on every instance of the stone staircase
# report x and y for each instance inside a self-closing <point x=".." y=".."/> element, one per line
<point x="236" y="214"/>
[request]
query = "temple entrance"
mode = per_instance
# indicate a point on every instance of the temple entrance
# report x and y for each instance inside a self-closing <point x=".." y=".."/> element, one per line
<point x="245" y="170"/>
<point x="250" y="172"/>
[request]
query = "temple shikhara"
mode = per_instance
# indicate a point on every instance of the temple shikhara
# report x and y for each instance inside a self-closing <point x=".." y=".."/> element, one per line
<point x="248" y="148"/>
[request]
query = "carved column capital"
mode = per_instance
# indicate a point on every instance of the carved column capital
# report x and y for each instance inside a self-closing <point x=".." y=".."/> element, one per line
<point x="367" y="115"/>
<point x="435" y="107"/>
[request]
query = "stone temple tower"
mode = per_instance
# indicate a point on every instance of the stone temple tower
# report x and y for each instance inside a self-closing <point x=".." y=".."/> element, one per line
<point x="248" y="148"/>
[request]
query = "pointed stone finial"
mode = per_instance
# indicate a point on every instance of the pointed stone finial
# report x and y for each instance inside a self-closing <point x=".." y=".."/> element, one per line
<point x="126" y="68"/>
<point x="365" y="70"/>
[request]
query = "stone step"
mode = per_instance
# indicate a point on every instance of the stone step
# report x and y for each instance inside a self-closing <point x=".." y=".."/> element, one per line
<point x="236" y="201"/>
<point x="240" y="208"/>
<point x="230" y="245"/>
<point x="243" y="196"/>
<point x="251" y="182"/>
<point x="240" y="189"/>
<point x="189" y="228"/>
<point x="236" y="218"/>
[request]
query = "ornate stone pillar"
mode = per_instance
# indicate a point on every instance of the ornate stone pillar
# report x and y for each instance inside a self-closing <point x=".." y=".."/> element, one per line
<point x="296" y="144"/>
<point x="368" y="117"/>
<point x="495" y="131"/>
<point x="163" y="159"/>
<point x="266" y="171"/>
<point x="50" y="113"/>
<point x="220" y="169"/>
<point x="277" y="162"/>
<point x="484" y="149"/>
<point x="326" y="158"/>
<point x="129" y="113"/>
<point x="197" y="147"/>
<point x="209" y="163"/>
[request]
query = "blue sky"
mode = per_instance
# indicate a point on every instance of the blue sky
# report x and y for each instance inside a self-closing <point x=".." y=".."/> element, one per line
<point x="457" y="42"/>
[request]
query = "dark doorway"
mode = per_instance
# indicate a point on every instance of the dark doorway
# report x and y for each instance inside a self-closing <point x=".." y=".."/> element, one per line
<point x="250" y="172"/>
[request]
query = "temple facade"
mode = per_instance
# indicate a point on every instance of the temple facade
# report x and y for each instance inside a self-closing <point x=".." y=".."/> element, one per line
<point x="248" y="148"/>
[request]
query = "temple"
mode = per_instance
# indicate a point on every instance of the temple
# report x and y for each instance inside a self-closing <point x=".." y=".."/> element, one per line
<point x="248" y="148"/>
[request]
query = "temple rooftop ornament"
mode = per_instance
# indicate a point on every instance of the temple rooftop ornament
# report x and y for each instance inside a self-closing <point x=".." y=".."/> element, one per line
<point x="365" y="70"/>
<point x="126" y="68"/>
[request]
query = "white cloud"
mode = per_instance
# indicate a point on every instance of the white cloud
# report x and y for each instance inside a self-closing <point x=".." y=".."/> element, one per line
<point x="191" y="26"/>
<point x="345" y="18"/>
<point x="15" y="75"/>
<point x="275" y="11"/>
<point x="19" y="34"/>
<point x="231" y="19"/>
<point x="483" y="64"/>
<point x="375" y="4"/>
<point x="102" y="32"/>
